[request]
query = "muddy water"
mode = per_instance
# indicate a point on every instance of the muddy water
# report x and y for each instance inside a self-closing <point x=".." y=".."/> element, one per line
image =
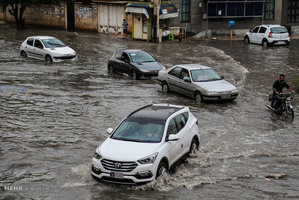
<point x="53" y="116"/>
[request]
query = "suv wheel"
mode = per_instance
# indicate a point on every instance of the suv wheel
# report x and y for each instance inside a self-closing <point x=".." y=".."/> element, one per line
<point x="193" y="148"/>
<point x="162" y="169"/>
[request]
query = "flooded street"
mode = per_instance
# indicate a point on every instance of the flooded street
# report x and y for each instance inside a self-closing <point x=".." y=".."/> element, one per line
<point x="53" y="116"/>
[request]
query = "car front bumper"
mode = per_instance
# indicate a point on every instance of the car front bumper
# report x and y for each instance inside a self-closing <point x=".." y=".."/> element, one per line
<point x="220" y="97"/>
<point x="148" y="75"/>
<point x="62" y="58"/>
<point x="128" y="178"/>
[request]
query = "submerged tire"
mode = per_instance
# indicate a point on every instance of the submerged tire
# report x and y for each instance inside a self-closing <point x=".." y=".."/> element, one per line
<point x="265" y="43"/>
<point x="134" y="75"/>
<point x="246" y="40"/>
<point x="162" y="169"/>
<point x="48" y="59"/>
<point x="165" y="87"/>
<point x="194" y="147"/>
<point x="110" y="69"/>
<point x="23" y="54"/>
<point x="197" y="97"/>
<point x="290" y="112"/>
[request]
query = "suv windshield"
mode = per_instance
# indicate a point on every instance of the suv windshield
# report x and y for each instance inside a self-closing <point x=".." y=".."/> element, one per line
<point x="204" y="75"/>
<point x="141" y="57"/>
<point x="53" y="43"/>
<point x="278" y="30"/>
<point x="139" y="130"/>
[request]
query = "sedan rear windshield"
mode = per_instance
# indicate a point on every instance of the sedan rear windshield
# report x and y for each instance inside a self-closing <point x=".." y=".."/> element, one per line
<point x="276" y="30"/>
<point x="53" y="43"/>
<point x="141" y="57"/>
<point x="139" y="131"/>
<point x="204" y="75"/>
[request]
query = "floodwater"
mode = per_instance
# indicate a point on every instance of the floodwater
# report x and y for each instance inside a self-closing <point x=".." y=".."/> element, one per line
<point x="53" y="116"/>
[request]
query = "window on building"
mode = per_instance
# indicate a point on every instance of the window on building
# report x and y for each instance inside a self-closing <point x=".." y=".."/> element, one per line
<point x="269" y="9"/>
<point x="293" y="11"/>
<point x="185" y="10"/>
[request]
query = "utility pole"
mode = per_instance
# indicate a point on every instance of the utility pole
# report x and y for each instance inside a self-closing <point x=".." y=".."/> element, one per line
<point x="157" y="7"/>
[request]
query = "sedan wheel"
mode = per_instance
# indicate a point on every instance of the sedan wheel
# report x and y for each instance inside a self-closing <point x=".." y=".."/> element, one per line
<point x="23" y="54"/>
<point x="162" y="169"/>
<point x="48" y="59"/>
<point x="198" y="97"/>
<point x="134" y="75"/>
<point x="110" y="69"/>
<point x="165" y="88"/>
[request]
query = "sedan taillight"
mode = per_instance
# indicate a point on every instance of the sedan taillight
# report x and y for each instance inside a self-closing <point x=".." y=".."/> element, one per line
<point x="270" y="35"/>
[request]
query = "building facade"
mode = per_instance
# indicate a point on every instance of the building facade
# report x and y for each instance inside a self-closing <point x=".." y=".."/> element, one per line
<point x="212" y="16"/>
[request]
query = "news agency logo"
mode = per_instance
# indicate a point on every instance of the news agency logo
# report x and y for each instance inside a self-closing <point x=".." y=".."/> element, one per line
<point x="13" y="188"/>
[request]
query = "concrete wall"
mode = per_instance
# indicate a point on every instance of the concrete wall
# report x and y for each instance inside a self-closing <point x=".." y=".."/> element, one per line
<point x="45" y="15"/>
<point x="86" y="16"/>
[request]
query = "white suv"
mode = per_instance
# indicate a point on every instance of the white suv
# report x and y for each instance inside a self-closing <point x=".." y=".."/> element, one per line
<point x="146" y="144"/>
<point x="46" y="48"/>
<point x="268" y="35"/>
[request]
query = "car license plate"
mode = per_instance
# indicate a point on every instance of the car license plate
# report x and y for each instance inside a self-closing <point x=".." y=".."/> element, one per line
<point x="116" y="175"/>
<point x="226" y="97"/>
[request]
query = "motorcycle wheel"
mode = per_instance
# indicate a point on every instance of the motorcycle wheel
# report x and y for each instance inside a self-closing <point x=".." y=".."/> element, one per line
<point x="290" y="111"/>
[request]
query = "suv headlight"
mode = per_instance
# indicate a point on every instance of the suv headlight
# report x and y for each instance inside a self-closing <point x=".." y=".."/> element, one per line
<point x="148" y="159"/>
<point x="96" y="155"/>
<point x="144" y="70"/>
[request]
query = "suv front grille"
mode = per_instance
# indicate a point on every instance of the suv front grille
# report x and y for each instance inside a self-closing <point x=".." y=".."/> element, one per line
<point x="118" y="165"/>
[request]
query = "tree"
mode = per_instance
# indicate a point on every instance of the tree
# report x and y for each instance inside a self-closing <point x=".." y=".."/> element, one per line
<point x="17" y="7"/>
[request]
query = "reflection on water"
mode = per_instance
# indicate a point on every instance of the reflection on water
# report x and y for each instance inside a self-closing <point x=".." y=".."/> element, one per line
<point x="50" y="129"/>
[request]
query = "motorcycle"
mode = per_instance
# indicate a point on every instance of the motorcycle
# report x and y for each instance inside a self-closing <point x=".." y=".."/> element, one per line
<point x="285" y="104"/>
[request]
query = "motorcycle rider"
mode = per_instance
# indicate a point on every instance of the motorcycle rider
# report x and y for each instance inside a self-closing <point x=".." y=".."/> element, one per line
<point x="277" y="89"/>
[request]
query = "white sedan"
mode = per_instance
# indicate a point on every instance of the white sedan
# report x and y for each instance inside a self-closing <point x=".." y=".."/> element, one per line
<point x="197" y="81"/>
<point x="46" y="48"/>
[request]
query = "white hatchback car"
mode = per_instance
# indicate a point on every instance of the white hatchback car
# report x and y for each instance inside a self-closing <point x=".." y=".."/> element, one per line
<point x="46" y="48"/>
<point x="268" y="35"/>
<point x="146" y="144"/>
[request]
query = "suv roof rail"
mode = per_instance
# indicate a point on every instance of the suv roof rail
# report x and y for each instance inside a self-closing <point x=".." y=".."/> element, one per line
<point x="140" y="109"/>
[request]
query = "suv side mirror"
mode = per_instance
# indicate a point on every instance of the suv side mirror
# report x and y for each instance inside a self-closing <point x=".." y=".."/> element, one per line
<point x="173" y="137"/>
<point x="109" y="131"/>
<point x="187" y="79"/>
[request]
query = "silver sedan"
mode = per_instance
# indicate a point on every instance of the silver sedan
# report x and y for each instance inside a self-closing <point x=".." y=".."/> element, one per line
<point x="197" y="81"/>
